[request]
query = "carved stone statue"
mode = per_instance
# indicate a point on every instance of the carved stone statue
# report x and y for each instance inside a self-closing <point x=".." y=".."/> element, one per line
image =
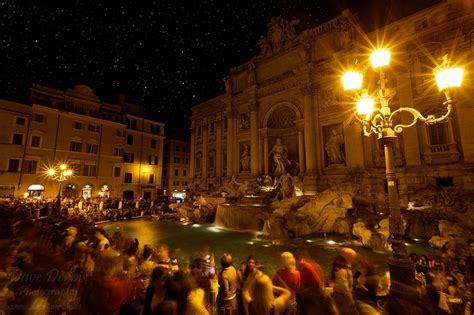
<point x="334" y="146"/>
<point x="245" y="159"/>
<point x="280" y="158"/>
<point x="251" y="80"/>
<point x="281" y="33"/>
<point x="265" y="46"/>
<point x="228" y="84"/>
<point x="244" y="122"/>
<point x="347" y="32"/>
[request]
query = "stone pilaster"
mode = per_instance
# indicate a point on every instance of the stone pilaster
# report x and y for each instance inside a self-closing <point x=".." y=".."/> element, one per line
<point x="301" y="157"/>
<point x="254" y="138"/>
<point x="204" y="152"/>
<point x="309" y="134"/>
<point x="411" y="145"/>
<point x="231" y="117"/>
<point x="192" y="154"/>
<point x="218" y="159"/>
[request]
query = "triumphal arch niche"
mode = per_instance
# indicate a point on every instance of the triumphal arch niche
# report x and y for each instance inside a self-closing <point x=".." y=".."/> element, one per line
<point x="281" y="141"/>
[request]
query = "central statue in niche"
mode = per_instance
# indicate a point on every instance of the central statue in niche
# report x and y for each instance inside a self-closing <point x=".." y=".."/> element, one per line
<point x="280" y="158"/>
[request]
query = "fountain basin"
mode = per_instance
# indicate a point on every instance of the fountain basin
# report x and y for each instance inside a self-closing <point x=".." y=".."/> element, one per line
<point x="241" y="216"/>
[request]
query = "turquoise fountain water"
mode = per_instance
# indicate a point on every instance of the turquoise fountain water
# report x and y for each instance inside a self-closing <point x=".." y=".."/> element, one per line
<point x="185" y="240"/>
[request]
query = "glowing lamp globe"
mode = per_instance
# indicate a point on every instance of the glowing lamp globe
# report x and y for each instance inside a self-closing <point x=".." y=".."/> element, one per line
<point x="68" y="172"/>
<point x="365" y="105"/>
<point x="352" y="80"/>
<point x="380" y="58"/>
<point x="51" y="172"/>
<point x="62" y="167"/>
<point x="449" y="78"/>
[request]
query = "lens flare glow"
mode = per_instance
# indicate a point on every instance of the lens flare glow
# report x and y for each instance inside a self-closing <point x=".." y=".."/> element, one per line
<point x="352" y="80"/>
<point x="380" y="58"/>
<point x="365" y="105"/>
<point x="449" y="78"/>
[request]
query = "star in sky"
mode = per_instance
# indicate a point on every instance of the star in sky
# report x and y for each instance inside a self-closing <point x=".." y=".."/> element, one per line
<point x="165" y="55"/>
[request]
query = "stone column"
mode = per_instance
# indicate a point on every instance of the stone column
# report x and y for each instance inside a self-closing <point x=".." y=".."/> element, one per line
<point x="260" y="152"/>
<point x="218" y="158"/>
<point x="309" y="134"/>
<point x="192" y="155"/>
<point x="254" y="138"/>
<point x="301" y="158"/>
<point x="204" y="153"/>
<point x="230" y="143"/>
<point x="265" y="153"/>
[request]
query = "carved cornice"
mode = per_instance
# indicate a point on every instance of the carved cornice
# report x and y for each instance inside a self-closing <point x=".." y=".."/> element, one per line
<point x="253" y="106"/>
<point x="277" y="87"/>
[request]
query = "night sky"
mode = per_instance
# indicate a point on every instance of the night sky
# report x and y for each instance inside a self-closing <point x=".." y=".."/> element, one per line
<point x="165" y="55"/>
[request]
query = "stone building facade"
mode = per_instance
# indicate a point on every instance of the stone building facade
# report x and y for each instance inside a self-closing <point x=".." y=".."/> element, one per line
<point x="286" y="105"/>
<point x="113" y="150"/>
<point x="176" y="167"/>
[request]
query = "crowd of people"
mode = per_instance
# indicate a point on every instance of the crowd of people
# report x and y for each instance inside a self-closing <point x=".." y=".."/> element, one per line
<point x="67" y="265"/>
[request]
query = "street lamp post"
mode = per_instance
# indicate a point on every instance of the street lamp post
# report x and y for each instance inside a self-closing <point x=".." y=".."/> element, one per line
<point x="376" y="117"/>
<point x="60" y="173"/>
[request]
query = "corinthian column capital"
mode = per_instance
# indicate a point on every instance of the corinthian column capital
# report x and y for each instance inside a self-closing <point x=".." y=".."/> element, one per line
<point x="307" y="89"/>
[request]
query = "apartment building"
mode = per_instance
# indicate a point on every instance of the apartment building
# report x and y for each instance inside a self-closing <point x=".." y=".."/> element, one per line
<point x="113" y="150"/>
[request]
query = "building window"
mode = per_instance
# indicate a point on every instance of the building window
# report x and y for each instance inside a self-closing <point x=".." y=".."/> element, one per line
<point x="151" y="179"/>
<point x="94" y="128"/>
<point x="92" y="148"/>
<point x="131" y="123"/>
<point x="153" y="144"/>
<point x="29" y="167"/>
<point x="211" y="128"/>
<point x="35" y="141"/>
<point x="165" y="172"/>
<point x="176" y="172"/>
<point x="20" y="121"/>
<point x="77" y="125"/>
<point x="120" y="133"/>
<point x="13" y="165"/>
<point x="177" y="148"/>
<point x="75" y="146"/>
<point x="444" y="181"/>
<point x="117" y="171"/>
<point x="89" y="170"/>
<point x="129" y="139"/>
<point x="118" y="152"/>
<point x="184" y="172"/>
<point x="184" y="149"/>
<point x="155" y="129"/>
<point x="128" y="157"/>
<point x="127" y="178"/>
<point x="438" y="134"/>
<point x="17" y="138"/>
<point x="38" y="117"/>
<point x="152" y="160"/>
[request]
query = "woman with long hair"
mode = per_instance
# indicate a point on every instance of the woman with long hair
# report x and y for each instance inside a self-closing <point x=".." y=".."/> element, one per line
<point x="261" y="298"/>
<point x="290" y="278"/>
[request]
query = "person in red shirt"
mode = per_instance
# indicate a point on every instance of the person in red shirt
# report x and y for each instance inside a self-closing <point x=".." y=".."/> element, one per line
<point x="310" y="272"/>
<point x="288" y="277"/>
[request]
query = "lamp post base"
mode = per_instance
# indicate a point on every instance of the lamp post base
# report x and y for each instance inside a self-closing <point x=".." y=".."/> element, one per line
<point x="401" y="268"/>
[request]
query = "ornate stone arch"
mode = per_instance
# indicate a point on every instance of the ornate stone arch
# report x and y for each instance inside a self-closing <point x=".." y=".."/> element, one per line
<point x="282" y="115"/>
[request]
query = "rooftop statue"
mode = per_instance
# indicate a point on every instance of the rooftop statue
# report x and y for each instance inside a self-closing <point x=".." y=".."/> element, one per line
<point x="281" y="33"/>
